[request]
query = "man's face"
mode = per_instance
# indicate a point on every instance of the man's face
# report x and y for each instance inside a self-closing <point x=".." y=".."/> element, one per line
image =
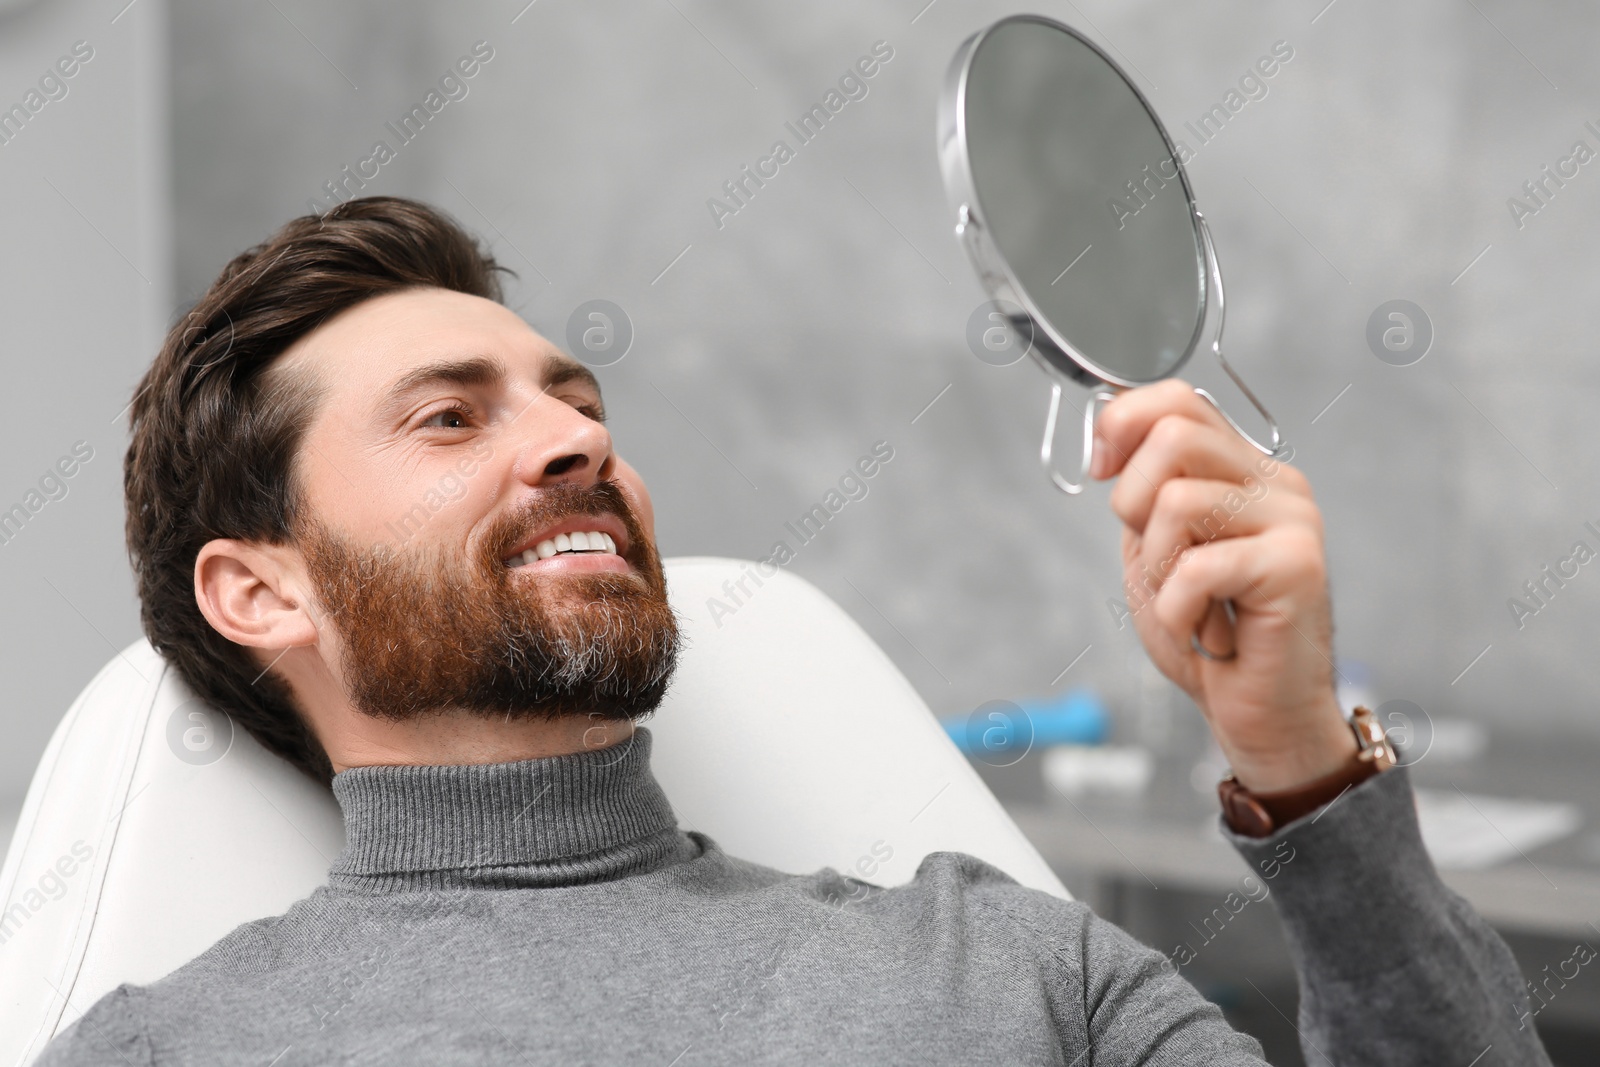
<point x="452" y="457"/>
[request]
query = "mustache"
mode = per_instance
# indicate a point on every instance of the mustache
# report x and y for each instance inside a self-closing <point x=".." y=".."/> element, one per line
<point x="562" y="501"/>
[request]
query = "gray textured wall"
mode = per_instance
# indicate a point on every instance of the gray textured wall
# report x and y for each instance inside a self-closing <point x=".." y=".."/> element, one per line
<point x="85" y="292"/>
<point x="827" y="313"/>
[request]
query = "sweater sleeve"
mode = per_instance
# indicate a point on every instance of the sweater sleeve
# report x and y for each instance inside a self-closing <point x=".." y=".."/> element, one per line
<point x="110" y="1033"/>
<point x="1113" y="1001"/>
<point x="1138" y="1010"/>
<point x="1394" y="967"/>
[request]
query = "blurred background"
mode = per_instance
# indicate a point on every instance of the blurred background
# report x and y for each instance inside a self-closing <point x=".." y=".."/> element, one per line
<point x="775" y="345"/>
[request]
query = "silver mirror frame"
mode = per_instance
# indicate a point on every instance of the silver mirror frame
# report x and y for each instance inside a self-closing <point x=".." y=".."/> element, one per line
<point x="1051" y="350"/>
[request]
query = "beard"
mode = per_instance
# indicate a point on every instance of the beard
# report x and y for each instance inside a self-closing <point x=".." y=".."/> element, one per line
<point x="428" y="631"/>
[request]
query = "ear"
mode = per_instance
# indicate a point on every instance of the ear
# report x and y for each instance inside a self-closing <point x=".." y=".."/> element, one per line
<point x="250" y="593"/>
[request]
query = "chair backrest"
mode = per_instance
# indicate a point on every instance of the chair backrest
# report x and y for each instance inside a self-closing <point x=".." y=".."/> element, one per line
<point x="153" y="826"/>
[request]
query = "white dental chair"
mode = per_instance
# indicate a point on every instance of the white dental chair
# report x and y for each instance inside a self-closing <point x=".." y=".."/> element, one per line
<point x="153" y="826"/>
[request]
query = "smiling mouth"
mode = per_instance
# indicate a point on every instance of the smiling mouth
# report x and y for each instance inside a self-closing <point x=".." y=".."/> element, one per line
<point x="579" y="542"/>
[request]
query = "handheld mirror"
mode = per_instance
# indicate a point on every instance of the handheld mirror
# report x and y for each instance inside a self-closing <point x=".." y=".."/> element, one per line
<point x="1073" y="204"/>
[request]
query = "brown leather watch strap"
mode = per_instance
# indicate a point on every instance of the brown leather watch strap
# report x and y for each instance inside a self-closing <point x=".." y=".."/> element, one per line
<point x="1260" y="814"/>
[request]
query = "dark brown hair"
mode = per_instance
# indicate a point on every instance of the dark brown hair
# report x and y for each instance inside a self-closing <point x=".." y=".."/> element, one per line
<point x="215" y="430"/>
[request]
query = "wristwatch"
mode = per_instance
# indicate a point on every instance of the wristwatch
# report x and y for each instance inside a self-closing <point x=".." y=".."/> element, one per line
<point x="1259" y="814"/>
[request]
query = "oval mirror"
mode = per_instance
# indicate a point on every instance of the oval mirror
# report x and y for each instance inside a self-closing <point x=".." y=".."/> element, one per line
<point x="1073" y="204"/>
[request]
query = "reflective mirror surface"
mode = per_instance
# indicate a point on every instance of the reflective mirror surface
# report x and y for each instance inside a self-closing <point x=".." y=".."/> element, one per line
<point x="1082" y="196"/>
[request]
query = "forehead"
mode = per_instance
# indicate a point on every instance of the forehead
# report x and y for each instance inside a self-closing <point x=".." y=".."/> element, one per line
<point x="365" y="349"/>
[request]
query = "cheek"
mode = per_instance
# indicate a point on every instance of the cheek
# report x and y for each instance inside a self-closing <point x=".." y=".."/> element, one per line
<point x="635" y="487"/>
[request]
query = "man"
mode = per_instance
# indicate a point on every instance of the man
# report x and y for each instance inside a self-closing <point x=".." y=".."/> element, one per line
<point x="514" y="886"/>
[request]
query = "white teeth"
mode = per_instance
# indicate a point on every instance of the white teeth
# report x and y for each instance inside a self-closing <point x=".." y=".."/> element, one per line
<point x="589" y="541"/>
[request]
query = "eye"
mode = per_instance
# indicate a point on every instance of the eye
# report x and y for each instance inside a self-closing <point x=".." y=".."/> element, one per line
<point x="459" y="413"/>
<point x="589" y="408"/>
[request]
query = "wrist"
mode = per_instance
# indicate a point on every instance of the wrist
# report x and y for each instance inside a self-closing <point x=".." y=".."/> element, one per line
<point x="1321" y="747"/>
<point x="1260" y="812"/>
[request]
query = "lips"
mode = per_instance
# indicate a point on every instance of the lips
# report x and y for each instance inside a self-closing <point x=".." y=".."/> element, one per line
<point x="602" y="534"/>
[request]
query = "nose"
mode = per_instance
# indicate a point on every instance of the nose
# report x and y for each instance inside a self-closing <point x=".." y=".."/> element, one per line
<point x="559" y="443"/>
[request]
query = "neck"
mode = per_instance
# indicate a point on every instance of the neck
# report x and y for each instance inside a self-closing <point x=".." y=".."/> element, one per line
<point x="562" y="820"/>
<point x="459" y="737"/>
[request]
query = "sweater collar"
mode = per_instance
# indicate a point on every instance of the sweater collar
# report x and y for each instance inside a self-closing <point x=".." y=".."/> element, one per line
<point x="559" y="820"/>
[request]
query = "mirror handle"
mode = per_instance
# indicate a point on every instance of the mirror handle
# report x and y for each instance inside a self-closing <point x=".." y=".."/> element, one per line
<point x="1092" y="411"/>
<point x="1047" y="448"/>
<point x="1214" y="269"/>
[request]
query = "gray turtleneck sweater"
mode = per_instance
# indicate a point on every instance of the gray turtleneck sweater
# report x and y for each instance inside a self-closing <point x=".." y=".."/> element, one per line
<point x="550" y="911"/>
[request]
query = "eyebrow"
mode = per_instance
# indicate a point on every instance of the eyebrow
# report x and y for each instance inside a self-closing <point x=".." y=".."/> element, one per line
<point x="478" y="370"/>
<point x="562" y="370"/>
<point x="481" y="371"/>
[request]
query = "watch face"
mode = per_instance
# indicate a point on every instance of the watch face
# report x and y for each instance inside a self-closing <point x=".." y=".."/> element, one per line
<point x="1375" y="747"/>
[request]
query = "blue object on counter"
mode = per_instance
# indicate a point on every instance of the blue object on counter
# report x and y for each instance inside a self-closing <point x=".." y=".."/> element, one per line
<point x="1078" y="717"/>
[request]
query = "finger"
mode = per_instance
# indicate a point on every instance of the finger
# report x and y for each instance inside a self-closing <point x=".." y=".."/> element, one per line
<point x="1124" y="422"/>
<point x="1274" y="574"/>
<point x="1194" y="511"/>
<point x="1178" y="447"/>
